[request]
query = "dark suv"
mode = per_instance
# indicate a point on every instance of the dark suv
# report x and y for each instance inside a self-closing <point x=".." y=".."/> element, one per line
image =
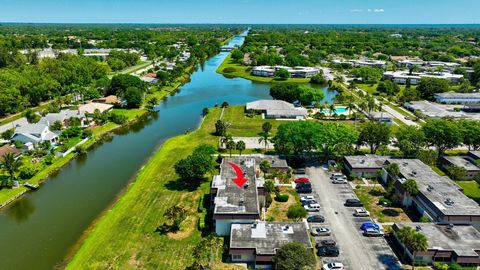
<point x="326" y="243"/>
<point x="353" y="203"/>
<point x="328" y="251"/>
<point x="316" y="218"/>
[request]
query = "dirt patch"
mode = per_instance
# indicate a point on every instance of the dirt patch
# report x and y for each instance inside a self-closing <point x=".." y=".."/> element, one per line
<point x="278" y="210"/>
<point x="190" y="223"/>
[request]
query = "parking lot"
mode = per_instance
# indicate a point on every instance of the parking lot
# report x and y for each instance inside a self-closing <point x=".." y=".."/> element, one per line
<point x="356" y="250"/>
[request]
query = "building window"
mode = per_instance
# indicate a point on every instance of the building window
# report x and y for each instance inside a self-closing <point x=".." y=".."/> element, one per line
<point x="236" y="257"/>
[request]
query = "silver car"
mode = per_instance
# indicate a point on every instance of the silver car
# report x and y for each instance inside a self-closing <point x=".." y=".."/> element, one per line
<point x="320" y="231"/>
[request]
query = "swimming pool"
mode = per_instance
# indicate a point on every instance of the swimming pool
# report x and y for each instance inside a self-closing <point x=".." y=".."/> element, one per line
<point x="338" y="110"/>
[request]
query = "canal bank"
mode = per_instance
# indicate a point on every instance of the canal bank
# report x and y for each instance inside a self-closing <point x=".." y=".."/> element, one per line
<point x="43" y="225"/>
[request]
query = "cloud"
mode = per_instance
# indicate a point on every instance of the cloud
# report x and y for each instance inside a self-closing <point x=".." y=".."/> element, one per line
<point x="379" y="10"/>
<point x="356" y="10"/>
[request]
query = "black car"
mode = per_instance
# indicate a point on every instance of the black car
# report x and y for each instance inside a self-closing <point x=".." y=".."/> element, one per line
<point x="300" y="171"/>
<point x="316" y="218"/>
<point x="304" y="190"/>
<point x="327" y="243"/>
<point x="328" y="251"/>
<point x="306" y="184"/>
<point x="353" y="203"/>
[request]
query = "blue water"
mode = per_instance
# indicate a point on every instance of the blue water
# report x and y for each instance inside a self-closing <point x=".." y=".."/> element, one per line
<point x="338" y="110"/>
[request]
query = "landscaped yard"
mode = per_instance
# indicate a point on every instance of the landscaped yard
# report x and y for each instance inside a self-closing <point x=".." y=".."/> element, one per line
<point x="124" y="237"/>
<point x="244" y="72"/>
<point x="370" y="196"/>
<point x="244" y="126"/>
<point x="471" y="189"/>
<point x="277" y="211"/>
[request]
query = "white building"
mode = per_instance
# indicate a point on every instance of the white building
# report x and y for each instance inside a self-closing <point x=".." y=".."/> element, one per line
<point x="403" y="76"/>
<point x="458" y="98"/>
<point x="277" y="109"/>
<point x="296" y="72"/>
<point x="34" y="134"/>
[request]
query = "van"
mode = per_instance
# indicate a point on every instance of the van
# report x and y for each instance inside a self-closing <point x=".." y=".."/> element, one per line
<point x="314" y="207"/>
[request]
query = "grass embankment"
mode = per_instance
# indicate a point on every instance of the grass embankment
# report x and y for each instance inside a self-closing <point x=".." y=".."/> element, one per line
<point x="124" y="237"/>
<point x="245" y="72"/>
<point x="471" y="189"/>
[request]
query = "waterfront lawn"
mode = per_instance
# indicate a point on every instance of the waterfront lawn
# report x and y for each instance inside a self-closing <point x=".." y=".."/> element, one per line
<point x="471" y="189"/>
<point x="244" y="72"/>
<point x="242" y="125"/>
<point x="124" y="237"/>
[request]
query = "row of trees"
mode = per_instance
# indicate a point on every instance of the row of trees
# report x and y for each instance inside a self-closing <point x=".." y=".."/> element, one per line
<point x="294" y="92"/>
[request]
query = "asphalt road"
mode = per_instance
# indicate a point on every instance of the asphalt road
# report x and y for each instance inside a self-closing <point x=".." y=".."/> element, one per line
<point x="356" y="251"/>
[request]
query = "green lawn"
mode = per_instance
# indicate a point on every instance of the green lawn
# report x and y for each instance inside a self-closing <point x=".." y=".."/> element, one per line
<point x="244" y="126"/>
<point x="124" y="237"/>
<point x="471" y="189"/>
<point x="244" y="72"/>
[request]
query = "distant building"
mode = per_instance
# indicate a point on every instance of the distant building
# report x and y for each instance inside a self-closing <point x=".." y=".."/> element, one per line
<point x="63" y="117"/>
<point x="277" y="109"/>
<point x="458" y="98"/>
<point x="382" y="117"/>
<point x="7" y="148"/>
<point x="258" y="242"/>
<point x="403" y="77"/>
<point x="434" y="110"/>
<point x="364" y="166"/>
<point x="446" y="244"/>
<point x="34" y="134"/>
<point x="464" y="162"/>
<point x="111" y="99"/>
<point x="368" y="63"/>
<point x="91" y="107"/>
<point x="295" y="72"/>
<point x="233" y="204"/>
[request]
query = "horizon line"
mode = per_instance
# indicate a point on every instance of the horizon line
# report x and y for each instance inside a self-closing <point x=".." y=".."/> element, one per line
<point x="227" y="23"/>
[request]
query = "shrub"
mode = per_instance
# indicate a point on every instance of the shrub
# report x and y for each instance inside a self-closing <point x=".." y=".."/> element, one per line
<point x="281" y="197"/>
<point x="440" y="266"/>
<point x="268" y="200"/>
<point x="118" y="119"/>
<point x="87" y="133"/>
<point x="384" y="201"/>
<point x="27" y="172"/>
<point x="229" y="70"/>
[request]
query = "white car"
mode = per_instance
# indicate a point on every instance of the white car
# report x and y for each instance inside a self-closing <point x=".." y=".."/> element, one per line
<point x="314" y="207"/>
<point x="339" y="181"/>
<point x="361" y="212"/>
<point x="333" y="266"/>
<point x="307" y="198"/>
<point x="320" y="231"/>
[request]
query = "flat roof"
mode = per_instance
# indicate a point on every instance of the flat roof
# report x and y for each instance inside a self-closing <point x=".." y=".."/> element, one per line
<point x="459" y="95"/>
<point x="230" y="198"/>
<point x="475" y="154"/>
<point x="366" y="161"/>
<point x="267" y="237"/>
<point x="463" y="240"/>
<point x="463" y="162"/>
<point x="437" y="189"/>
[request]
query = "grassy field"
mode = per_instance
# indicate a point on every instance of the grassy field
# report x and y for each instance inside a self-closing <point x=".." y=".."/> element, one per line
<point x="124" y="237"/>
<point x="244" y="126"/>
<point x="244" y="72"/>
<point x="471" y="189"/>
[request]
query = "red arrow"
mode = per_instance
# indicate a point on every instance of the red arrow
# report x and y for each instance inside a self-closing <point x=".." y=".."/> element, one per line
<point x="240" y="180"/>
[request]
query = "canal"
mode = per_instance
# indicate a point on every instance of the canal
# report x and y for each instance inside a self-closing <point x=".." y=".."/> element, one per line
<point x="37" y="230"/>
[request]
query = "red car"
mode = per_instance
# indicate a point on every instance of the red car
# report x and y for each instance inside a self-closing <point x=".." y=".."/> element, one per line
<point x="302" y="180"/>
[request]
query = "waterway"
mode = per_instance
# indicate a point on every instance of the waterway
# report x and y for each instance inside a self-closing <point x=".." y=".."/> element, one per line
<point x="37" y="230"/>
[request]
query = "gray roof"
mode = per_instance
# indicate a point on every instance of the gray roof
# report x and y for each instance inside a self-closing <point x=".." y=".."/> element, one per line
<point x="266" y="237"/>
<point x="232" y="199"/>
<point x="380" y="115"/>
<point x="474" y="154"/>
<point x="276" y="107"/>
<point x="437" y="189"/>
<point x="463" y="162"/>
<point x="275" y="161"/>
<point x="31" y="128"/>
<point x="459" y="95"/>
<point x="463" y="240"/>
<point x="366" y="161"/>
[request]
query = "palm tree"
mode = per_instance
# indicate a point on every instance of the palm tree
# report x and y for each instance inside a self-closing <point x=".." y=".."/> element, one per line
<point x="415" y="241"/>
<point x="266" y="127"/>
<point x="350" y="107"/>
<point x="264" y="136"/>
<point x="230" y="145"/>
<point x="332" y="109"/>
<point x="11" y="164"/>
<point x="240" y="146"/>
<point x="151" y="103"/>
<point x="363" y="106"/>
<point x="225" y="139"/>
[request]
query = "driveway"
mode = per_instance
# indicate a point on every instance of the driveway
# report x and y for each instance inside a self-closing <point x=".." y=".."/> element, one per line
<point x="356" y="251"/>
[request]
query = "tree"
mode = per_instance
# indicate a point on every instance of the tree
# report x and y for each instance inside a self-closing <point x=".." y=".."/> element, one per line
<point x="11" y="164"/>
<point x="318" y="79"/>
<point x="205" y="111"/>
<point x="293" y="256"/>
<point x="224" y="104"/>
<point x="220" y="128"/>
<point x="264" y="138"/>
<point x="265" y="166"/>
<point x="413" y="240"/>
<point x="366" y="73"/>
<point x="388" y="87"/>
<point x="240" y="146"/>
<point x="237" y="55"/>
<point x="230" y="146"/>
<point x="120" y="83"/>
<point x="175" y="215"/>
<point x="57" y="125"/>
<point x="444" y="134"/>
<point x="296" y="212"/>
<point x="8" y="134"/>
<point x="374" y="135"/>
<point x="134" y="97"/>
<point x="410" y="186"/>
<point x="393" y="169"/>
<point x="470" y="133"/>
<point x="151" y="103"/>
<point x="429" y="86"/>
<point x="194" y="167"/>
<point x="293" y="92"/>
<point x="31" y="116"/>
<point x="411" y="139"/>
<point x="456" y="172"/>
<point x="267" y="127"/>
<point x="282" y="74"/>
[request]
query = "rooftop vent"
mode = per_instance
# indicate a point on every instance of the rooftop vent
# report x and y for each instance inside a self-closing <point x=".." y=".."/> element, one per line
<point x="241" y="203"/>
<point x="429" y="188"/>
<point x="245" y="186"/>
<point x="449" y="202"/>
<point x="418" y="228"/>
<point x="254" y="225"/>
<point x="362" y="161"/>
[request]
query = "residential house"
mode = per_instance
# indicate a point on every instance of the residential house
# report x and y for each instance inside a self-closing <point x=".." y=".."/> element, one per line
<point x="63" y="117"/>
<point x="464" y="162"/>
<point x="277" y="109"/>
<point x="34" y="134"/>
<point x="91" y="107"/>
<point x="446" y="244"/>
<point x="7" y="148"/>
<point x="111" y="99"/>
<point x="258" y="242"/>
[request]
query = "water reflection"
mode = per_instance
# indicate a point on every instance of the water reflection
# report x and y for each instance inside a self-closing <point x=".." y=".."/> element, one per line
<point x="21" y="210"/>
